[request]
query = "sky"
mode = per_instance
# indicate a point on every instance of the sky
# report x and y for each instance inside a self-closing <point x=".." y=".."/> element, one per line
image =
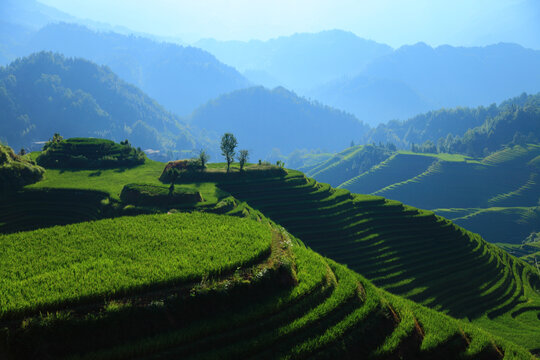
<point x="394" y="22"/>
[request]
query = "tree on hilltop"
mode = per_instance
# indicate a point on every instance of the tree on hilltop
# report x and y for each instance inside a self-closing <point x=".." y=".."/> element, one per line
<point x="243" y="157"/>
<point x="228" y="146"/>
<point x="203" y="158"/>
<point x="55" y="140"/>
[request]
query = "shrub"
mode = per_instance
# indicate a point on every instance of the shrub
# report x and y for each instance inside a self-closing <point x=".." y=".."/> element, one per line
<point x="90" y="153"/>
<point x="157" y="195"/>
<point x="15" y="171"/>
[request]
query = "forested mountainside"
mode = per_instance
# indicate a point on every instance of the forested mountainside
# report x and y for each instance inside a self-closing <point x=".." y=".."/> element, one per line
<point x="47" y="93"/>
<point x="273" y="122"/>
<point x="466" y="130"/>
<point x="180" y="78"/>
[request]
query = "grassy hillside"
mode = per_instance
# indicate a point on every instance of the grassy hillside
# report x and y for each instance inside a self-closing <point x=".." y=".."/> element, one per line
<point x="496" y="196"/>
<point x="350" y="162"/>
<point x="108" y="257"/>
<point x="406" y="251"/>
<point x="510" y="225"/>
<point x="276" y="299"/>
<point x="263" y="296"/>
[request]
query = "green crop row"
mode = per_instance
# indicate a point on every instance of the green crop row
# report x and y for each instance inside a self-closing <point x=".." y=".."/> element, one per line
<point x="49" y="267"/>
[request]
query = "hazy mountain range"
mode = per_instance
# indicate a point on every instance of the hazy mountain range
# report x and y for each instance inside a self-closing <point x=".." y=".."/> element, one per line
<point x="301" y="61"/>
<point x="369" y="80"/>
<point x="377" y="83"/>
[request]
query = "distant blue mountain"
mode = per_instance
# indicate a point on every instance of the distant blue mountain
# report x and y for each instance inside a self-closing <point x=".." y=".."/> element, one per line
<point x="180" y="78"/>
<point x="419" y="78"/>
<point x="300" y="61"/>
<point x="372" y="99"/>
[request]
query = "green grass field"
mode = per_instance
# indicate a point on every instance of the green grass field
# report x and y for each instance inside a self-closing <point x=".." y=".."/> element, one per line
<point x="204" y="286"/>
<point x="290" y="304"/>
<point x="495" y="196"/>
<point x="47" y="267"/>
<point x="348" y="163"/>
<point x="406" y="251"/>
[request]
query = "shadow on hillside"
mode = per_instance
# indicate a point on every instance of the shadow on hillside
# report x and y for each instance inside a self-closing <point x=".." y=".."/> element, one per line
<point x="94" y="174"/>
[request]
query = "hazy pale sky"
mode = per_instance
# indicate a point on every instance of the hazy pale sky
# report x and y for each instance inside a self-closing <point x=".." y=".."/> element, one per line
<point x="395" y="22"/>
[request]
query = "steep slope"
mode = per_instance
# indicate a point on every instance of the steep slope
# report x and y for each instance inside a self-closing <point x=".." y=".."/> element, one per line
<point x="180" y="78"/>
<point x="300" y="61"/>
<point x="506" y="178"/>
<point x="264" y="120"/>
<point x="47" y="93"/>
<point x="406" y="251"/>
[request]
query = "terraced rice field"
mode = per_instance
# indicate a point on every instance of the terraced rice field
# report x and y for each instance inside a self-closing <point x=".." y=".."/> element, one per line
<point x="507" y="178"/>
<point x="406" y="251"/>
<point x="348" y="163"/>
<point x="39" y="208"/>
<point x="291" y="303"/>
<point x="396" y="169"/>
<point x="510" y="225"/>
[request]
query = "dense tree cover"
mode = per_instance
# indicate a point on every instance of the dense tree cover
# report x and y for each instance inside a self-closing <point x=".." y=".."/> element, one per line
<point x="515" y="125"/>
<point x="86" y="153"/>
<point x="47" y="93"/>
<point x="16" y="171"/>
<point x="265" y="120"/>
<point x="431" y="126"/>
<point x="475" y="132"/>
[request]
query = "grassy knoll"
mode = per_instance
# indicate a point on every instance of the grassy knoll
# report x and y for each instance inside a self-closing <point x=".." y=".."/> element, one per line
<point x="89" y="153"/>
<point x="290" y="304"/>
<point x="47" y="267"/>
<point x="407" y="251"/>
<point x="111" y="181"/>
<point x="16" y="171"/>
